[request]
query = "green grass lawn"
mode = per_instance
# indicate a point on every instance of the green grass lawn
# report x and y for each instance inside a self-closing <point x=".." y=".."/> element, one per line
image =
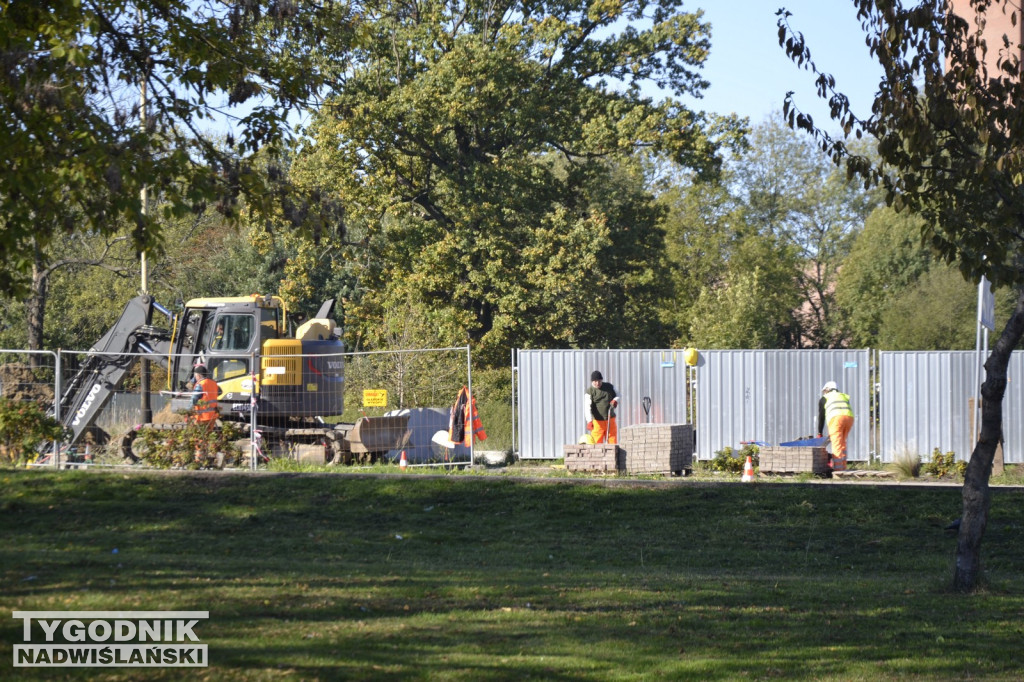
<point x="482" y="578"/>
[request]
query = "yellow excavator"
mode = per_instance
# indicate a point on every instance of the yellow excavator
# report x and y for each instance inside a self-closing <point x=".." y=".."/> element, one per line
<point x="289" y="384"/>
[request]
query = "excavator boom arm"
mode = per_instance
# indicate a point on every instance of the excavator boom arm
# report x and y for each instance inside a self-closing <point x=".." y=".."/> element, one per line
<point x="108" y="363"/>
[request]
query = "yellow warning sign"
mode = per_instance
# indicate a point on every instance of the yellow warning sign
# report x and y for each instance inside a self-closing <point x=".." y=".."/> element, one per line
<point x="375" y="397"/>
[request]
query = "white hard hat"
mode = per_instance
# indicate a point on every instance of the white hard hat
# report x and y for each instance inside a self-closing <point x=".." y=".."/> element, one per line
<point x="829" y="386"/>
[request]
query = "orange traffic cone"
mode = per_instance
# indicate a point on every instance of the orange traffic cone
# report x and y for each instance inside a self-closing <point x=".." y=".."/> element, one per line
<point x="403" y="462"/>
<point x="748" y="471"/>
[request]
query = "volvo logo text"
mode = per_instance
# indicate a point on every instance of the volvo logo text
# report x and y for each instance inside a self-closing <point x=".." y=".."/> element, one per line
<point x="96" y="388"/>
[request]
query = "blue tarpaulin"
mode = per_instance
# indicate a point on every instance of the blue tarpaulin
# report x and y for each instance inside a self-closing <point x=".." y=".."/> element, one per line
<point x="807" y="442"/>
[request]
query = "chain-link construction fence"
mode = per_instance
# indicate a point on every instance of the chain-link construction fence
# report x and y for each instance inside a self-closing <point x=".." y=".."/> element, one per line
<point x="416" y="389"/>
<point x="315" y="408"/>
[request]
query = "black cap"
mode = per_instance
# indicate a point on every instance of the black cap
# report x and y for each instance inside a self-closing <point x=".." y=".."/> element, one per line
<point x="596" y="376"/>
<point x="200" y="370"/>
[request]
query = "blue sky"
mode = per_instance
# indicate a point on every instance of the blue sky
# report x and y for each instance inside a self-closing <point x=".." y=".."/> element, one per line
<point x="750" y="74"/>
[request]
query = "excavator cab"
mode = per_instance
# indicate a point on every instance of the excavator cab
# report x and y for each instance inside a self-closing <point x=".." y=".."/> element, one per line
<point x="230" y="333"/>
<point x="226" y="335"/>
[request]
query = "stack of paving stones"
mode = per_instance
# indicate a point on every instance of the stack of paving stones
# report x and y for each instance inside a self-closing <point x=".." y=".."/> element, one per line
<point x="603" y="458"/>
<point x="657" y="448"/>
<point x="779" y="459"/>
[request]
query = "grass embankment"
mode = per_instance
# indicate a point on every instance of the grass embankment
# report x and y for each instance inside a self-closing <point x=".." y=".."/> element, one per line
<point x="472" y="578"/>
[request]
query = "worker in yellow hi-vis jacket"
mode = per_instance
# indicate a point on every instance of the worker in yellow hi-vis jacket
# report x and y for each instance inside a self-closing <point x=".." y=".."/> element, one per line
<point x="834" y="409"/>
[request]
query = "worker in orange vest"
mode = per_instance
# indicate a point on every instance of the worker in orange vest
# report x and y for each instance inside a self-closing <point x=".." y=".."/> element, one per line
<point x="204" y="397"/>
<point x="603" y="401"/>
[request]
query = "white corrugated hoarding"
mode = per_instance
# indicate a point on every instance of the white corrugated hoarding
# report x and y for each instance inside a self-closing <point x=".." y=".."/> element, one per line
<point x="771" y="396"/>
<point x="925" y="403"/>
<point x="552" y="411"/>
<point x="921" y="400"/>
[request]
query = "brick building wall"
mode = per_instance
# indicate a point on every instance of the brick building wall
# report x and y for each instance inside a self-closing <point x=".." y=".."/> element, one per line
<point x="999" y="21"/>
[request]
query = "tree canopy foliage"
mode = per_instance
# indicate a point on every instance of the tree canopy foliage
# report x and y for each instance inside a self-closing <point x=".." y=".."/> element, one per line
<point x="886" y="259"/>
<point x="780" y="208"/>
<point x="80" y="146"/>
<point x="484" y="145"/>
<point x="791" y="191"/>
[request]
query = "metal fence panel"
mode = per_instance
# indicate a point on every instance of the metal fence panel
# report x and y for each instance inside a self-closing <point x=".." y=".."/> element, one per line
<point x="1013" y="410"/>
<point x="422" y="384"/>
<point x="552" y="409"/>
<point x="925" y="403"/>
<point x="741" y="395"/>
<point x="772" y="396"/>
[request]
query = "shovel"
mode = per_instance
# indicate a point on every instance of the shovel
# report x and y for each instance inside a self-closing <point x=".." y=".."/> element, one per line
<point x="646" y="402"/>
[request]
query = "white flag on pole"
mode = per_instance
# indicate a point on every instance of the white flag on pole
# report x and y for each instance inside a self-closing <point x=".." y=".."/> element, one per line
<point x="986" y="305"/>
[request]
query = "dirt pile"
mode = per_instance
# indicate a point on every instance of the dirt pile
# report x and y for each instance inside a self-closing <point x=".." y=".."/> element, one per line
<point x="18" y="381"/>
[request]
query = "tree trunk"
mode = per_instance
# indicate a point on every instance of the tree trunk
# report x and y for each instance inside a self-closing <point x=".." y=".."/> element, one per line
<point x="35" y="307"/>
<point x="976" y="494"/>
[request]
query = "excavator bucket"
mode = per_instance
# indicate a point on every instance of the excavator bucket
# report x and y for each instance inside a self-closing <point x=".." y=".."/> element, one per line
<point x="378" y="434"/>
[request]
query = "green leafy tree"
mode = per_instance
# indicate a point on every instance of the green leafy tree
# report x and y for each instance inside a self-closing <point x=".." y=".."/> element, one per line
<point x="753" y="307"/>
<point x="79" y="146"/>
<point x="937" y="312"/>
<point x="790" y="189"/>
<point x="109" y="258"/>
<point x="950" y="137"/>
<point x="700" y="232"/>
<point x="780" y="192"/>
<point x="84" y="299"/>
<point x="884" y="261"/>
<point x="896" y="295"/>
<point x="484" y="145"/>
<point x="89" y="277"/>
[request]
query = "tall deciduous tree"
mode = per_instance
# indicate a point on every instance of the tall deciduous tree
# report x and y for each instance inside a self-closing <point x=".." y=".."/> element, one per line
<point x="752" y="309"/>
<point x="950" y="134"/>
<point x="895" y="295"/>
<point x="937" y="312"/>
<point x="783" y="208"/>
<point x="736" y="284"/>
<point x="701" y="228"/>
<point x="792" y="191"/>
<point x="886" y="259"/>
<point x="486" y="142"/>
<point x="86" y="278"/>
<point x="77" y="147"/>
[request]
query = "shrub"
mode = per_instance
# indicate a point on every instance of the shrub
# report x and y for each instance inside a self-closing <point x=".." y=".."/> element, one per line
<point x="192" y="446"/>
<point x="945" y="465"/>
<point x="24" y="427"/>
<point x="730" y="463"/>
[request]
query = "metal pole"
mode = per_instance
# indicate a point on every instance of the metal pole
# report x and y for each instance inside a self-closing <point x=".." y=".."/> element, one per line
<point x="144" y="388"/>
<point x="876" y="409"/>
<point x="56" y="409"/>
<point x="469" y="385"/>
<point x="977" y="365"/>
<point x="253" y="405"/>
<point x="514" y="448"/>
